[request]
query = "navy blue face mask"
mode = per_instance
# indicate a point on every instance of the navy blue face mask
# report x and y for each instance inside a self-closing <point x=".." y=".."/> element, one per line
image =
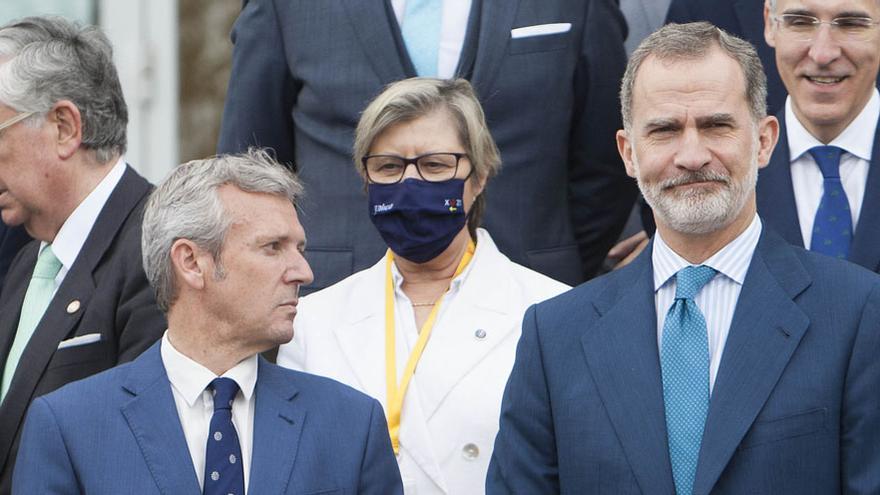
<point x="418" y="219"/>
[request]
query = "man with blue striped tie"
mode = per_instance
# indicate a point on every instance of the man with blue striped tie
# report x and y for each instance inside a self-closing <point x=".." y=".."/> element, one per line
<point x="723" y="360"/>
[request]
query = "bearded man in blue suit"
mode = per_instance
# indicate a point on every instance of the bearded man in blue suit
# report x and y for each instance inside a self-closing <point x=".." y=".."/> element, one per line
<point x="200" y="412"/>
<point x="723" y="360"/>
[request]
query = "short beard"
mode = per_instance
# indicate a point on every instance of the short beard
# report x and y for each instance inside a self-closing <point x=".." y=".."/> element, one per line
<point x="698" y="211"/>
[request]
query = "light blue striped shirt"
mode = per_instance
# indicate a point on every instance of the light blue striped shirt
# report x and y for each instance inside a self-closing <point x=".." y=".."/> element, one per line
<point x="717" y="299"/>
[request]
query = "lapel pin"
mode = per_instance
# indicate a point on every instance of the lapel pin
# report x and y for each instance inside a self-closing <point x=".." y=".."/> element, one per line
<point x="73" y="307"/>
<point x="480" y="334"/>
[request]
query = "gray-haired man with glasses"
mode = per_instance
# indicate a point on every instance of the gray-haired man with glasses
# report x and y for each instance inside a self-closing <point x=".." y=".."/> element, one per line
<point x="822" y="187"/>
<point x="76" y="301"/>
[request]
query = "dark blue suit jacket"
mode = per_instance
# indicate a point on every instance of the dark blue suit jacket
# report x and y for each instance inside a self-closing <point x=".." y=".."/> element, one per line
<point x="119" y="432"/>
<point x="778" y="209"/>
<point x="304" y="70"/>
<point x="795" y="408"/>
<point x="12" y="239"/>
<point x="744" y="18"/>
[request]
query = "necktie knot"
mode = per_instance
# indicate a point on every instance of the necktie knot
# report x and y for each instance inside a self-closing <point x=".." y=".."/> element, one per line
<point x="224" y="392"/>
<point x="828" y="159"/>
<point x="48" y="265"/>
<point x="690" y="279"/>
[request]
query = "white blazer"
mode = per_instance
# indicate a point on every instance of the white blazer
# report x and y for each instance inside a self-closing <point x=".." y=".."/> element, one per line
<point x="450" y="413"/>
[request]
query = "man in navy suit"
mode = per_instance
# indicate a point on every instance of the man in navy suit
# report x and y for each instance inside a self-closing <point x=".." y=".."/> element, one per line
<point x="723" y="360"/>
<point x="833" y="104"/>
<point x="546" y="72"/>
<point x="200" y="411"/>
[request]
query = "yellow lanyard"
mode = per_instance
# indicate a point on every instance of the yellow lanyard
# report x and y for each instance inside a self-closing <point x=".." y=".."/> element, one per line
<point x="396" y="393"/>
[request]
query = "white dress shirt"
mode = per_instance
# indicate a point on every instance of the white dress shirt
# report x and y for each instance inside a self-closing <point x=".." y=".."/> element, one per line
<point x="76" y="229"/>
<point x="452" y="32"/>
<point x="195" y="404"/>
<point x="857" y="141"/>
<point x="717" y="299"/>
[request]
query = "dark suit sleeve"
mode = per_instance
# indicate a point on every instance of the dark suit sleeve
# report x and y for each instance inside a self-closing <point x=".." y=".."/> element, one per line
<point x="379" y="472"/>
<point x="601" y="195"/>
<point x="860" y="419"/>
<point x="261" y="92"/>
<point x="524" y="459"/>
<point x="139" y="321"/>
<point x="43" y="464"/>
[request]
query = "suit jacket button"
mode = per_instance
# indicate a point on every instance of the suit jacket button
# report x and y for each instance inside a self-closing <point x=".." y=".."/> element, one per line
<point x="480" y="334"/>
<point x="470" y="451"/>
<point x="73" y="307"/>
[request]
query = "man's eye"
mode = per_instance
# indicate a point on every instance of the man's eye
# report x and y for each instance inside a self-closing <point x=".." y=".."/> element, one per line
<point x="853" y="23"/>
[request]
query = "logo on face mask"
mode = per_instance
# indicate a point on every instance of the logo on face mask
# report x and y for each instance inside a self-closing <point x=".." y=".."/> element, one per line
<point x="452" y="204"/>
<point x="382" y="207"/>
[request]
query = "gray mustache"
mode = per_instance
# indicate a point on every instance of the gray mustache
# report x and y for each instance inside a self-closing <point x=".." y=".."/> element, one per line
<point x="697" y="176"/>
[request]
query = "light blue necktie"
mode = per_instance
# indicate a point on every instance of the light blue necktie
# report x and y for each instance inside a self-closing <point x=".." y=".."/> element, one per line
<point x="684" y="364"/>
<point x="421" y="33"/>
<point x="39" y="294"/>
<point x="223" y="472"/>
<point x="832" y="227"/>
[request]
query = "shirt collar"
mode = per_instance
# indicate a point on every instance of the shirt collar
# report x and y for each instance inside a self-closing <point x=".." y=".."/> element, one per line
<point x="857" y="139"/>
<point x="76" y="229"/>
<point x="191" y="378"/>
<point x="732" y="260"/>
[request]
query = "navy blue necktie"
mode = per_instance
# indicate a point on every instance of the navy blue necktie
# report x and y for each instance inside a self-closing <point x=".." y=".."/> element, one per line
<point x="684" y="368"/>
<point x="223" y="472"/>
<point x="832" y="228"/>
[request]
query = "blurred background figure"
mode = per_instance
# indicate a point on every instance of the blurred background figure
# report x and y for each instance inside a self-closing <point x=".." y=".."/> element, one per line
<point x="76" y="300"/>
<point x="743" y="18"/>
<point x="821" y="190"/>
<point x="443" y="297"/>
<point x="643" y="17"/>
<point x="547" y="72"/>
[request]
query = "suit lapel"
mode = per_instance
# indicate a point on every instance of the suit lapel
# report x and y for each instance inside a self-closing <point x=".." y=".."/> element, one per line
<point x="155" y="425"/>
<point x="866" y="241"/>
<point x="379" y="34"/>
<point x="362" y="339"/>
<point x="278" y="424"/>
<point x="766" y="329"/>
<point x="626" y="332"/>
<point x="775" y="193"/>
<point x="483" y="303"/>
<point x="496" y="21"/>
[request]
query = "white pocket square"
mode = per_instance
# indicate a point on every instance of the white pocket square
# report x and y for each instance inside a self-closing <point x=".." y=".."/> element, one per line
<point x="79" y="340"/>
<point x="540" y="30"/>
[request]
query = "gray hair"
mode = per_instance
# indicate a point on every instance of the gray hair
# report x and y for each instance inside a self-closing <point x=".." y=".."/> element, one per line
<point x="187" y="206"/>
<point x="44" y="60"/>
<point x="410" y="99"/>
<point x="690" y="42"/>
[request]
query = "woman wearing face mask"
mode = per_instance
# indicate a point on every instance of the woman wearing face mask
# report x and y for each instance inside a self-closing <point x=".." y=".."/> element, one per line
<point x="443" y="301"/>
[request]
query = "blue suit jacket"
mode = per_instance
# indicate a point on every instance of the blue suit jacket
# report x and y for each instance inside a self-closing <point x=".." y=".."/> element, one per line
<point x="777" y="207"/>
<point x="119" y="432"/>
<point x="795" y="408"/>
<point x="304" y="70"/>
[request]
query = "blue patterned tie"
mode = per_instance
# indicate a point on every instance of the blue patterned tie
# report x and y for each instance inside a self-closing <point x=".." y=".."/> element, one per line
<point x="223" y="472"/>
<point x="832" y="228"/>
<point x="421" y="33"/>
<point x="684" y="364"/>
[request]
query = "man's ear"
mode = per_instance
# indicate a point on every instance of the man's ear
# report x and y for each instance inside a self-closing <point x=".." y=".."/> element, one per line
<point x="624" y="147"/>
<point x="768" y="136"/>
<point x="769" y="33"/>
<point x="66" y="122"/>
<point x="190" y="266"/>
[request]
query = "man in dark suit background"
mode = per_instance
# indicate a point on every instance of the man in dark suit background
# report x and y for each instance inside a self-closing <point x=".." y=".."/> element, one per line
<point x="546" y="72"/>
<point x="833" y="106"/>
<point x="12" y="239"/>
<point x="741" y="18"/>
<point x="200" y="412"/>
<point x="76" y="300"/>
<point x="723" y="360"/>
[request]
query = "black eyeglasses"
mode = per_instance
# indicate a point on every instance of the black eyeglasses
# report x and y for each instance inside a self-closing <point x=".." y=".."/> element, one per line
<point x="432" y="167"/>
